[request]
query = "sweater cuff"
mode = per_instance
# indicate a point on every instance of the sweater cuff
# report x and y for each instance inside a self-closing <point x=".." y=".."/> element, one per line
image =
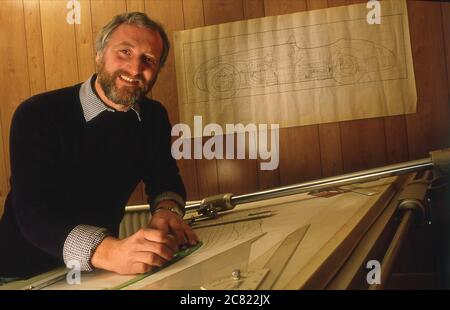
<point x="168" y="196"/>
<point x="81" y="244"/>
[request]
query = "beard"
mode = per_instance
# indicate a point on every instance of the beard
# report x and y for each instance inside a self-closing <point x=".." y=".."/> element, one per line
<point x="124" y="95"/>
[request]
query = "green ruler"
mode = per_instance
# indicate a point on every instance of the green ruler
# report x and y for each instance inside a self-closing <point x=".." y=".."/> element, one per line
<point x="179" y="255"/>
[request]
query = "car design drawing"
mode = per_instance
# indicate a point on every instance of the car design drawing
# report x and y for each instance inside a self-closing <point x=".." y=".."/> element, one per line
<point x="346" y="61"/>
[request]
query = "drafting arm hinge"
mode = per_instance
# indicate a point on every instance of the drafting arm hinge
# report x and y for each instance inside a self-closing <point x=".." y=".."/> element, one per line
<point x="210" y="206"/>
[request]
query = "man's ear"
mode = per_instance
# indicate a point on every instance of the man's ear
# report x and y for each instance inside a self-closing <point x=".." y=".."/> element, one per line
<point x="98" y="57"/>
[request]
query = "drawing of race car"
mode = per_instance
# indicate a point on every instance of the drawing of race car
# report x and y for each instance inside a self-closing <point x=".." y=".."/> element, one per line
<point x="346" y="61"/>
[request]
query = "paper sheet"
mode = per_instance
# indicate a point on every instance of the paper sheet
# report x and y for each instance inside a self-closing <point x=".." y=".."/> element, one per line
<point x="298" y="69"/>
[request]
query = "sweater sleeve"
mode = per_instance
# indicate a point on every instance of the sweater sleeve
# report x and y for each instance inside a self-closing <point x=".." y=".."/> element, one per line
<point x="35" y="179"/>
<point x="161" y="178"/>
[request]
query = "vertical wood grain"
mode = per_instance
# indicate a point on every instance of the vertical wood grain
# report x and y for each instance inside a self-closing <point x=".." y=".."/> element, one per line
<point x="103" y="11"/>
<point x="84" y="43"/>
<point x="279" y="7"/>
<point x="299" y="154"/>
<point x="60" y="51"/>
<point x="222" y="11"/>
<point x="428" y="129"/>
<point x="446" y="34"/>
<point x="253" y="8"/>
<point x="316" y="4"/>
<point x="363" y="144"/>
<point x="193" y="14"/>
<point x="35" y="49"/>
<point x="135" y="5"/>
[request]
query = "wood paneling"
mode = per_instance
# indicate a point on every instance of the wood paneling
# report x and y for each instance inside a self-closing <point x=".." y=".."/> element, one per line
<point x="278" y="7"/>
<point x="193" y="14"/>
<point x="446" y="33"/>
<point x="222" y="11"/>
<point x="84" y="43"/>
<point x="60" y="50"/>
<point x="363" y="144"/>
<point x="135" y="6"/>
<point x="102" y="11"/>
<point x="35" y="49"/>
<point x="253" y="8"/>
<point x="428" y="129"/>
<point x="58" y="54"/>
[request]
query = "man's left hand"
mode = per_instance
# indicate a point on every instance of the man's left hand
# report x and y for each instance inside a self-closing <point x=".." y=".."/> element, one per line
<point x="172" y="223"/>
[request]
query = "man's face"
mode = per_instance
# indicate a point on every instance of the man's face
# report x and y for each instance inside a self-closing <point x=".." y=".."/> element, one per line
<point x="129" y="64"/>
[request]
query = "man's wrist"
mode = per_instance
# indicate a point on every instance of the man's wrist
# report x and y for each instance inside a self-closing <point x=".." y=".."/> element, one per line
<point x="165" y="198"/>
<point x="100" y="257"/>
<point x="169" y="206"/>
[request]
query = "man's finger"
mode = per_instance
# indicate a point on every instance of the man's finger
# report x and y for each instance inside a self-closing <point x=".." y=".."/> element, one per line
<point x="159" y="237"/>
<point x="160" y="249"/>
<point x="149" y="258"/>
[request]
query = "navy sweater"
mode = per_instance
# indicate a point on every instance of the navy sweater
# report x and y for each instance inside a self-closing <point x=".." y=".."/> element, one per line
<point x="66" y="172"/>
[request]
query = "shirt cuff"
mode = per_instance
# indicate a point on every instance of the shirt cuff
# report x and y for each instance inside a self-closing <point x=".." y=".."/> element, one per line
<point x="81" y="243"/>
<point x="168" y="196"/>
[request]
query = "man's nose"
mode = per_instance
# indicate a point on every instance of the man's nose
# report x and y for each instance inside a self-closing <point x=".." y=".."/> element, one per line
<point x="135" y="66"/>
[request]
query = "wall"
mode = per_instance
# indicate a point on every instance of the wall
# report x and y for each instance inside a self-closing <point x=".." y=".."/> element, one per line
<point x="40" y="51"/>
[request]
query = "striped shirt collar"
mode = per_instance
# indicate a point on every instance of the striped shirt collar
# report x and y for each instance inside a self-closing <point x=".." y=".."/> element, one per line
<point x="91" y="103"/>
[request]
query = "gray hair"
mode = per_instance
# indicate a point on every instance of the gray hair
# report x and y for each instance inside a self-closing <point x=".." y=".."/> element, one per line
<point x="133" y="18"/>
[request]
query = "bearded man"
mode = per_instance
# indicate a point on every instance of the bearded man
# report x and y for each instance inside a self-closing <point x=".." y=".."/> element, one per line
<point x="77" y="154"/>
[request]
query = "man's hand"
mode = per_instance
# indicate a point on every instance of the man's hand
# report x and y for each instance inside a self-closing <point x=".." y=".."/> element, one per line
<point x="139" y="253"/>
<point x="171" y="223"/>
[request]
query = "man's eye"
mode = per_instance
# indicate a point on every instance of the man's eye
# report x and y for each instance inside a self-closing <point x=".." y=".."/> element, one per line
<point x="126" y="52"/>
<point x="150" y="60"/>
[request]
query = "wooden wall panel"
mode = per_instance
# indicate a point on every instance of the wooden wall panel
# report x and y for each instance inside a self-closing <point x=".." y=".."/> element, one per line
<point x="60" y="50"/>
<point x="299" y="154"/>
<point x="253" y="8"/>
<point x="102" y="11"/>
<point x="316" y="4"/>
<point x="35" y="50"/>
<point x="446" y="32"/>
<point x="428" y="129"/>
<point x="363" y="144"/>
<point x="14" y="78"/>
<point x="222" y="11"/>
<point x="135" y="5"/>
<point x="84" y="43"/>
<point x="279" y="7"/>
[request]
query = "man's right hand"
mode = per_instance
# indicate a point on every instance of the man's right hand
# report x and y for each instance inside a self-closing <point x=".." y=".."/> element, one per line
<point x="139" y="253"/>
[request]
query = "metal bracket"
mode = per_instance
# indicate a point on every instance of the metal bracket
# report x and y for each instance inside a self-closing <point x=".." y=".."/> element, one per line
<point x="211" y="206"/>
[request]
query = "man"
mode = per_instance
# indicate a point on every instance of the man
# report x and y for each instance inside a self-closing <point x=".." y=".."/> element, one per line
<point x="77" y="153"/>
